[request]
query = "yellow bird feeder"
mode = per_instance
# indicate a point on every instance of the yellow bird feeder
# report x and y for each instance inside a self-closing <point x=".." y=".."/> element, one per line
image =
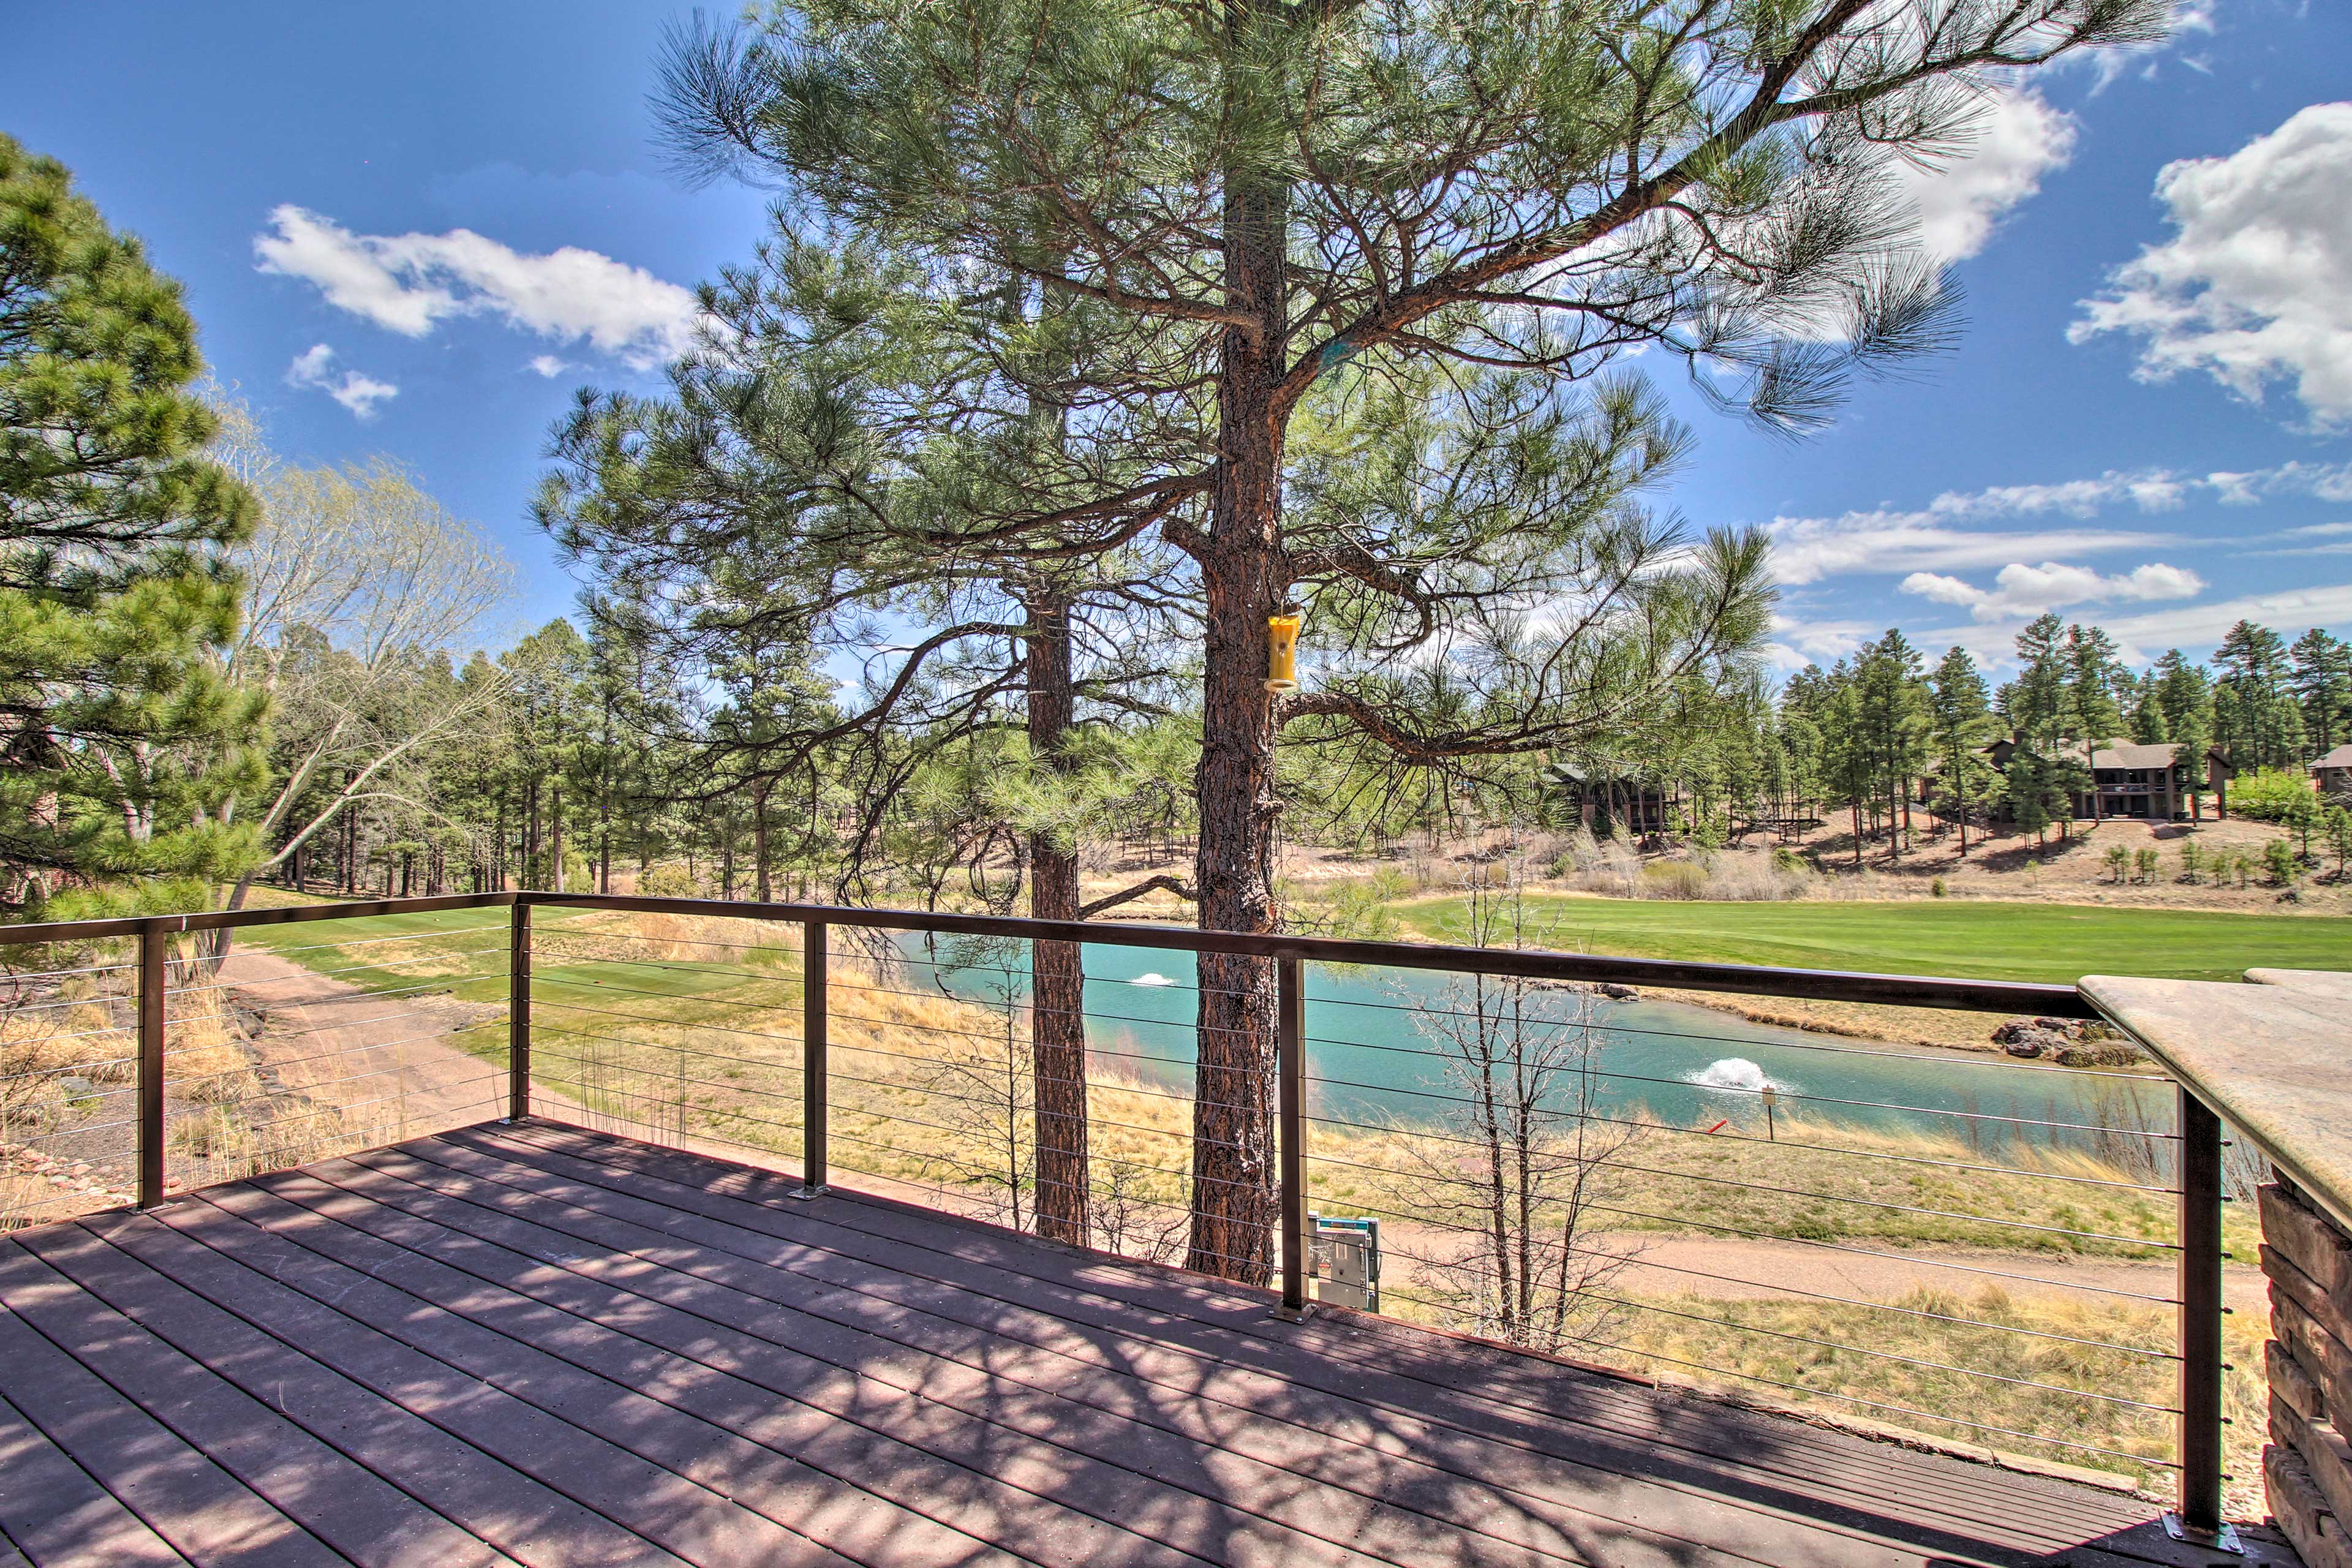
<point x="1282" y="652"/>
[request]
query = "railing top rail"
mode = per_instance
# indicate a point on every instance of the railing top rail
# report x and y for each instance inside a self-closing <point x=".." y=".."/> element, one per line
<point x="234" y="920"/>
<point x="1899" y="990"/>
<point x="1843" y="985"/>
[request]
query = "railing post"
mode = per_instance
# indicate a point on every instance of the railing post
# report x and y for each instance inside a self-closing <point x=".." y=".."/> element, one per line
<point x="814" y="1009"/>
<point x="519" y="1013"/>
<point x="1290" y="1070"/>
<point x="152" y="951"/>
<point x="2201" y="1315"/>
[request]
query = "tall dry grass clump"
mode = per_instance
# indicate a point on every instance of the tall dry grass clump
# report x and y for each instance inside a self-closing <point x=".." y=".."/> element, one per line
<point x="1615" y="868"/>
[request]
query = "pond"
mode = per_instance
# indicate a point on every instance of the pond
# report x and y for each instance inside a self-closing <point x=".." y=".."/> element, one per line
<point x="1377" y="1053"/>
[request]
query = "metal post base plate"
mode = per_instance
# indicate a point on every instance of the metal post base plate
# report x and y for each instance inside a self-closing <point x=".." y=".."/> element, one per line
<point x="2222" y="1539"/>
<point x="1291" y="1314"/>
<point x="804" y="1193"/>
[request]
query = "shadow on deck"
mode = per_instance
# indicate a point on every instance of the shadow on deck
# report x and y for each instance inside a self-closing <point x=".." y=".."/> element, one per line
<point x="537" y="1344"/>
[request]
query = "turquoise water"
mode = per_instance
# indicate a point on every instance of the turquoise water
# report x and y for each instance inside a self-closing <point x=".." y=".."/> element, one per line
<point x="1373" y="1058"/>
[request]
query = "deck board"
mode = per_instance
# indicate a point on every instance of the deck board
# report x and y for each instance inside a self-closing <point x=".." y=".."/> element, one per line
<point x="1780" y="1469"/>
<point x="350" y="1508"/>
<point x="537" y="1344"/>
<point x="1053" y="1454"/>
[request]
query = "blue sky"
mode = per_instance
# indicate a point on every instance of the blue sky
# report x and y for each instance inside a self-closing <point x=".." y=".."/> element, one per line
<point x="412" y="230"/>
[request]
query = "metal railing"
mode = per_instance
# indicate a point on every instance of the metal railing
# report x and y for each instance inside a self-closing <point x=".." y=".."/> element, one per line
<point x="589" y="1008"/>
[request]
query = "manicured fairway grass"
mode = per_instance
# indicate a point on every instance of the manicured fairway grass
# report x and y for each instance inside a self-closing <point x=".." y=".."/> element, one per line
<point x="464" y="953"/>
<point x="2051" y="944"/>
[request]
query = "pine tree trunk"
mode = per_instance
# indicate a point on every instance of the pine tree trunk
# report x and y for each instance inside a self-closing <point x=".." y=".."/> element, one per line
<point x="1233" y="1196"/>
<point x="1057" y="1027"/>
<point x="760" y="837"/>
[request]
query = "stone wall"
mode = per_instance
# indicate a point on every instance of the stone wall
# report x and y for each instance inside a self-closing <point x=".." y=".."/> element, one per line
<point x="2307" y="1466"/>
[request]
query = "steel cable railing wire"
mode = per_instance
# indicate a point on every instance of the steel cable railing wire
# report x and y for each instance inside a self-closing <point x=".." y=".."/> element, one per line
<point x="1131" y="1088"/>
<point x="1605" y="1163"/>
<point x="1639" y="1353"/>
<point x="1794" y="1290"/>
<point x="1732" y="1135"/>
<point x="664" y="1077"/>
<point x="1757" y="1328"/>
<point x="1784" y="1094"/>
<point x="307" y="973"/>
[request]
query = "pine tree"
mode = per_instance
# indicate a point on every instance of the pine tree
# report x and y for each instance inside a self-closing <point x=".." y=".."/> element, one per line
<point x="117" y="735"/>
<point x="2252" y="705"/>
<point x="2320" y="675"/>
<point x="2094" y="676"/>
<point x="1266" y="196"/>
<point x="1962" y="726"/>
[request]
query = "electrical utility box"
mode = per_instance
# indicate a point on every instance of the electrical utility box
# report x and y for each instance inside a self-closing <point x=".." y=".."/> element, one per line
<point x="1344" y="1259"/>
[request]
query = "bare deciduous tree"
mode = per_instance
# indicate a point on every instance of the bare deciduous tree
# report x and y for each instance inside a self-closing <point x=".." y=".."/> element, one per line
<point x="1517" y="1168"/>
<point x="356" y="582"/>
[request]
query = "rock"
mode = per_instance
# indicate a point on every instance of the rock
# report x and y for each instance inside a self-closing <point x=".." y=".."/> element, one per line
<point x="1617" y="992"/>
<point x="2029" y="1038"/>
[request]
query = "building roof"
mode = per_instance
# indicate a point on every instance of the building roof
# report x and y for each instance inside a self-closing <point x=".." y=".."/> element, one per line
<point x="2341" y="757"/>
<point x="2129" y="756"/>
<point x="2125" y="754"/>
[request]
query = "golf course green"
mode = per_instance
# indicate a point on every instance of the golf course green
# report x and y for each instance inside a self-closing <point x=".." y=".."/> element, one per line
<point x="2052" y="943"/>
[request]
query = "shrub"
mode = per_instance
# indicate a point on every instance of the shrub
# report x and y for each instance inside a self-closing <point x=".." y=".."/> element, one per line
<point x="1674" y="879"/>
<point x="2192" y="860"/>
<point x="2147" y="860"/>
<point x="2278" y="859"/>
<point x="2270" y="796"/>
<point x="2118" y="862"/>
<point x="1936" y="889"/>
<point x="667" y="882"/>
<point x="1787" y="859"/>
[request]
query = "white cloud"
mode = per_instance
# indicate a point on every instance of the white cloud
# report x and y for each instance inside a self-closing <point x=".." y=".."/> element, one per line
<point x="353" y="389"/>
<point x="411" y="283"/>
<point x="2250" y="288"/>
<point x="550" y="366"/>
<point x="1948" y="533"/>
<point x="2328" y="606"/>
<point x="2018" y="139"/>
<point x="2020" y="591"/>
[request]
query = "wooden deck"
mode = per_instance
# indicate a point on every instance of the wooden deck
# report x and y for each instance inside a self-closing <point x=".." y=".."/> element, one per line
<point x="536" y="1344"/>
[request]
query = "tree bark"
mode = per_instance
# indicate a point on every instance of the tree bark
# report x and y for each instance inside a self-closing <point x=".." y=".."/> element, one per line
<point x="760" y="838"/>
<point x="1243" y="579"/>
<point x="1057" y="1024"/>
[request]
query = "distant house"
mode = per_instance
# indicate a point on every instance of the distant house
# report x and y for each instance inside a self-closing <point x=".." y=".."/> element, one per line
<point x="1611" y="797"/>
<point x="2334" y="772"/>
<point x="2134" y="781"/>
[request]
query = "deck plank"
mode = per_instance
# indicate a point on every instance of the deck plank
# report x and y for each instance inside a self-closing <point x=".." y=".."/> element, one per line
<point x="206" y="1514"/>
<point x="850" y="1439"/>
<point x="600" y="1442"/>
<point x="1224" y="1333"/>
<point x="762" y="1335"/>
<point x="521" y="1441"/>
<point x="50" y="1505"/>
<point x="473" y="1490"/>
<point x="1599" y="1517"/>
<point x="532" y="1343"/>
<point x="345" y="1505"/>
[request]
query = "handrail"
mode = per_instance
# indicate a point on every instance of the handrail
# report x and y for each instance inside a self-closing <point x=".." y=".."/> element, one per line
<point x="2199" y="1196"/>
<point x="1760" y="979"/>
<point x="1828" y="984"/>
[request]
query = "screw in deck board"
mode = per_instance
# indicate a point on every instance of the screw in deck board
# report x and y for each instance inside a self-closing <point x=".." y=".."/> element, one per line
<point x="2201" y="1321"/>
<point x="151" y="954"/>
<point x="813" y="1065"/>
<point x="1290" y="1069"/>
<point x="519" y="1013"/>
